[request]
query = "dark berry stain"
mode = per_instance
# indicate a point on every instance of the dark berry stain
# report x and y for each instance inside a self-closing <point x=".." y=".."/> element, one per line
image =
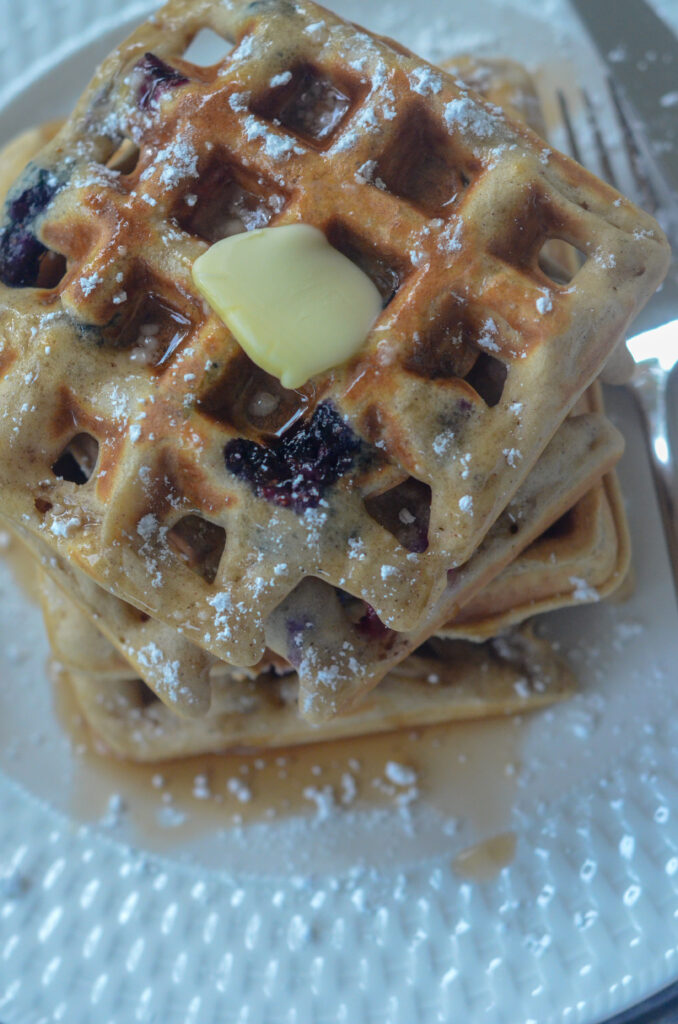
<point x="20" y="251"/>
<point x="157" y="78"/>
<point x="296" y="471"/>
<point x="370" y="624"/>
<point x="295" y="639"/>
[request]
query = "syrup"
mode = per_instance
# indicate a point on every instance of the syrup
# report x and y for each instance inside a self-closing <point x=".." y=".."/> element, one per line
<point x="465" y="771"/>
<point x="484" y="861"/>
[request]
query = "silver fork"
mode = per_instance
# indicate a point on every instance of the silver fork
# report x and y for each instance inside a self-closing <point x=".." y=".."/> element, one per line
<point x="655" y="345"/>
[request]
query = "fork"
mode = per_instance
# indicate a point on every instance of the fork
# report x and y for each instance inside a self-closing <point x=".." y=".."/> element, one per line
<point x="655" y="347"/>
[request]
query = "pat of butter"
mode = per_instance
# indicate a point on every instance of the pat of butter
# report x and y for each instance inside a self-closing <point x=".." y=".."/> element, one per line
<point x="296" y="305"/>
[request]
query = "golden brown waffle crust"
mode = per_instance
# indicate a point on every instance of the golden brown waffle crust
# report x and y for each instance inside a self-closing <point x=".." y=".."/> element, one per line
<point x="161" y="456"/>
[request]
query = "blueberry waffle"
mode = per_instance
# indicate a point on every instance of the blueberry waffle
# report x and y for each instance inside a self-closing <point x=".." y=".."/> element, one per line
<point x="144" y="447"/>
<point x="341" y="650"/>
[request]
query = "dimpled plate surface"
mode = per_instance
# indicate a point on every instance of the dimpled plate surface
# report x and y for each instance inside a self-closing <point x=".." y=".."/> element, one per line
<point x="365" y="920"/>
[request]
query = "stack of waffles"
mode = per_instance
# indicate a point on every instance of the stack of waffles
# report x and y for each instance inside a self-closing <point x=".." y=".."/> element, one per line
<point x="226" y="562"/>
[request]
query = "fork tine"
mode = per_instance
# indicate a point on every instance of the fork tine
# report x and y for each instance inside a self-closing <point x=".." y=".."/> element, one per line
<point x="648" y="196"/>
<point x="603" y="155"/>
<point x="569" y="129"/>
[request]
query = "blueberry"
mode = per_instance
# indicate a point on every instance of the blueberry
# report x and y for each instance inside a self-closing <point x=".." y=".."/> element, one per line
<point x="296" y="471"/>
<point x="157" y="78"/>
<point x="20" y="250"/>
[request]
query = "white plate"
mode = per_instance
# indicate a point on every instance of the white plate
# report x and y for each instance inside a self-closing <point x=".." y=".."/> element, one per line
<point x="116" y="908"/>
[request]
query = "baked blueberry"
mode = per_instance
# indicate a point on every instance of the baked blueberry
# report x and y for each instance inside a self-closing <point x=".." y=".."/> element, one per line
<point x="296" y="471"/>
<point x="20" y="251"/>
<point x="157" y="78"/>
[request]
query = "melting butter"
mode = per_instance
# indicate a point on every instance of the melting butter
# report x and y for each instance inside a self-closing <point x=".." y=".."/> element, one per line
<point x="296" y="305"/>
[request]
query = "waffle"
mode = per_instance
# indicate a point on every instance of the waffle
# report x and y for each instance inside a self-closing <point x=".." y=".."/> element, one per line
<point x="451" y="680"/>
<point x="398" y="164"/>
<point x="583" y="557"/>
<point x="345" y="651"/>
<point x="510" y="86"/>
<point x="180" y="674"/>
<point x="501" y="81"/>
<point x="177" y="671"/>
<point x="340" y="651"/>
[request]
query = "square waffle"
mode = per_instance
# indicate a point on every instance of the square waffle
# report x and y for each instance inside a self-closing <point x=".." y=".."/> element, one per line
<point x="341" y="651"/>
<point x="517" y="674"/>
<point x="181" y="673"/>
<point x="475" y="361"/>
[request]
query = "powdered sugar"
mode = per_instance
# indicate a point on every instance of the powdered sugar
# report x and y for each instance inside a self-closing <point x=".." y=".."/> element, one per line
<point x="178" y="161"/>
<point x="240" y="790"/>
<point x="466" y="115"/>
<point x="443" y="441"/>
<point x="89" y="283"/>
<point x="450" y="238"/>
<point x="282" y="79"/>
<point x="162" y="670"/>
<point x="223" y="607"/>
<point x="425" y="81"/>
<point x="487" y="335"/>
<point x="65" y="526"/>
<point x="239" y="101"/>
<point x="583" y="591"/>
<point x="276" y="146"/>
<point x="400" y="774"/>
<point x="315" y="28"/>
<point x="512" y="456"/>
<point x="365" y="173"/>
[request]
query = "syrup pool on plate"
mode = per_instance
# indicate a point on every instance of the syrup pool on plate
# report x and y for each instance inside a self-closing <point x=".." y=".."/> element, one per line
<point x="465" y="772"/>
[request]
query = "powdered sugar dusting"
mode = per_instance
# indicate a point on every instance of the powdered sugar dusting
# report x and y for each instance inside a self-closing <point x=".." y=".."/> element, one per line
<point x="465" y="114"/>
<point x="276" y="146"/>
<point x="174" y="163"/>
<point x="583" y="591"/>
<point x="425" y="81"/>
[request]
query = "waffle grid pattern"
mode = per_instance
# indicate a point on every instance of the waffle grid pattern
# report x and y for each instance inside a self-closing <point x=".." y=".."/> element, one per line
<point x="161" y="446"/>
<point x="591" y="553"/>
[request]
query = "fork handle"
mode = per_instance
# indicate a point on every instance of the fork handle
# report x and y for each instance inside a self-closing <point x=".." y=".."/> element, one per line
<point x="650" y="387"/>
